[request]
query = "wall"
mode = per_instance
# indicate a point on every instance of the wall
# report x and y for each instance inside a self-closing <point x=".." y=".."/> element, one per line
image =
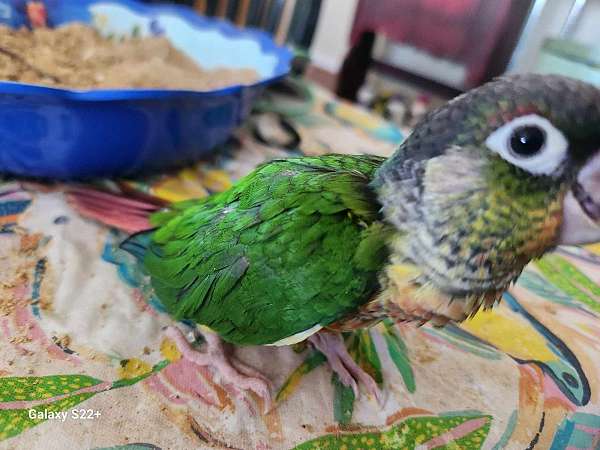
<point x="331" y="40"/>
<point x="588" y="31"/>
<point x="550" y="24"/>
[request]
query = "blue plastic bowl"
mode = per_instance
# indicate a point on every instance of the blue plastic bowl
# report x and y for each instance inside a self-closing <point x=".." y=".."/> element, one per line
<point x="61" y="133"/>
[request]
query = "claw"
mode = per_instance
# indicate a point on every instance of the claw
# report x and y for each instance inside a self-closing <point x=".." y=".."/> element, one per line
<point x="340" y="361"/>
<point x="229" y="368"/>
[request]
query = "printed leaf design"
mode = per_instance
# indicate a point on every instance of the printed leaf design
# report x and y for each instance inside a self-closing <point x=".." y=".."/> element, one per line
<point x="399" y="355"/>
<point x="461" y="339"/>
<point x="312" y="361"/>
<point x="540" y="286"/>
<point x="20" y="394"/>
<point x="123" y="382"/>
<point x="25" y="389"/>
<point x="50" y="394"/>
<point x="343" y="401"/>
<point x="589" y="253"/>
<point x="443" y="432"/>
<point x="362" y="348"/>
<point x="15" y="421"/>
<point x="570" y="280"/>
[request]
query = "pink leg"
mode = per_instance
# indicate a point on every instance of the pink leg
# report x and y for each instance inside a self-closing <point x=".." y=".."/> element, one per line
<point x="333" y="347"/>
<point x="230" y="369"/>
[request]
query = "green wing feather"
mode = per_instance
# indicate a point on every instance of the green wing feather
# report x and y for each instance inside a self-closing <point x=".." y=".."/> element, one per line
<point x="296" y="243"/>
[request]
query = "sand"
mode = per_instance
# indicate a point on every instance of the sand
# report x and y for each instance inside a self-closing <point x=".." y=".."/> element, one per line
<point x="76" y="56"/>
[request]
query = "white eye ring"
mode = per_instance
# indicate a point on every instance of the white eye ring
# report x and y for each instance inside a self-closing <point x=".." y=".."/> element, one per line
<point x="550" y="157"/>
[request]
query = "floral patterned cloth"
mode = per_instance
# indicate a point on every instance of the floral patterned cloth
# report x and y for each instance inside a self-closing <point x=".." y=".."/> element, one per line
<point x="84" y="363"/>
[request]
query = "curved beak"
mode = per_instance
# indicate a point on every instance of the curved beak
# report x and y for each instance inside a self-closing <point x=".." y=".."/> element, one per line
<point x="581" y="207"/>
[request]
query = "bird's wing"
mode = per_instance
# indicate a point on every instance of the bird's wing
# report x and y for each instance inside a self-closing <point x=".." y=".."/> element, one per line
<point x="295" y="245"/>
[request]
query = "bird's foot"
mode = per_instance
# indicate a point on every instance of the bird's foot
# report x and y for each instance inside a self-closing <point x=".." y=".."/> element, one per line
<point x="350" y="374"/>
<point x="232" y="370"/>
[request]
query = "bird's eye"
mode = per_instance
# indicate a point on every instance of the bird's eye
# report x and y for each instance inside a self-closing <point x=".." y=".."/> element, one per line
<point x="531" y="143"/>
<point x="527" y="140"/>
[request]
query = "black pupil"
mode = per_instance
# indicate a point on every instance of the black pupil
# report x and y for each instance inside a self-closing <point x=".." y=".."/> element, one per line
<point x="527" y="140"/>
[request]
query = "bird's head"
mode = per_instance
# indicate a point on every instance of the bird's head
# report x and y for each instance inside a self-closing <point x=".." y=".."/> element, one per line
<point x="494" y="179"/>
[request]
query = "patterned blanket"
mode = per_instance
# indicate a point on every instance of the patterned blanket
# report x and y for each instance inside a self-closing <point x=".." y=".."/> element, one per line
<point x="84" y="363"/>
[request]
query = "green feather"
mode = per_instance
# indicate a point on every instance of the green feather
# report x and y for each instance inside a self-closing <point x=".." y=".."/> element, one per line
<point x="294" y="244"/>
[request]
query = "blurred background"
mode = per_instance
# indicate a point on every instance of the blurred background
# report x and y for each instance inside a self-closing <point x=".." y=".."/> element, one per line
<point x="397" y="59"/>
<point x="402" y="57"/>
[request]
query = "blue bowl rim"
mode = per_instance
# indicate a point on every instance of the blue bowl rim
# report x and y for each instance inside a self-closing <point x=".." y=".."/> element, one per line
<point x="266" y="42"/>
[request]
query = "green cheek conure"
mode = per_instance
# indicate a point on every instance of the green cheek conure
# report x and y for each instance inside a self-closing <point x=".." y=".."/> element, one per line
<point x="304" y="248"/>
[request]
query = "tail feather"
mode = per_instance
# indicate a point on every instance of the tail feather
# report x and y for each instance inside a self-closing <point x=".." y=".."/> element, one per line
<point x="112" y="209"/>
<point x="137" y="244"/>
